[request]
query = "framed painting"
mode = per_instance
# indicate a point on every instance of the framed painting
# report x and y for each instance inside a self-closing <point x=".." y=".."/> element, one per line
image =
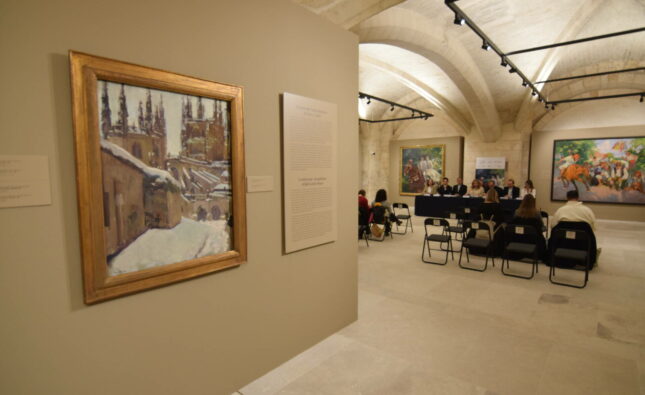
<point x="419" y="164"/>
<point x="160" y="176"/>
<point x="605" y="170"/>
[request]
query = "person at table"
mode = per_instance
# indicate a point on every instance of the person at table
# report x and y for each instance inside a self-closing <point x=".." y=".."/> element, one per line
<point x="491" y="184"/>
<point x="431" y="187"/>
<point x="445" y="188"/>
<point x="528" y="189"/>
<point x="476" y="189"/>
<point x="459" y="188"/>
<point x="510" y="190"/>
<point x="527" y="214"/>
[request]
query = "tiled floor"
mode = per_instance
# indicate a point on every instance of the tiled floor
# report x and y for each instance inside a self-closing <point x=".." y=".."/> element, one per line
<point x="426" y="329"/>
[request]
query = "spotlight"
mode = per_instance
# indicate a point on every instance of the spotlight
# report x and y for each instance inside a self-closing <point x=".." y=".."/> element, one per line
<point x="392" y="108"/>
<point x="369" y="100"/>
<point x="425" y="118"/>
<point x="361" y="96"/>
<point x="641" y="100"/>
<point x="512" y="70"/>
<point x="553" y="106"/>
<point x="546" y="106"/>
<point x="533" y="93"/>
<point x="459" y="20"/>
<point x="524" y="83"/>
<point x="485" y="46"/>
<point x="413" y="113"/>
<point x="503" y="63"/>
<point x="540" y="99"/>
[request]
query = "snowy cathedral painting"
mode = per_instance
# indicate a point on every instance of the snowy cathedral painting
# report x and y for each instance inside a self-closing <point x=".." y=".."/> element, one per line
<point x="166" y="176"/>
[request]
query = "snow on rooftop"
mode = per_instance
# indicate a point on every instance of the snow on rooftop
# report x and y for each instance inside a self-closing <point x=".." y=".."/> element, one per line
<point x="151" y="172"/>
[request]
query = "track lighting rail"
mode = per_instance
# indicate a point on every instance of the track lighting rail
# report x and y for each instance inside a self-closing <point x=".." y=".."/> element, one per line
<point x="421" y="114"/>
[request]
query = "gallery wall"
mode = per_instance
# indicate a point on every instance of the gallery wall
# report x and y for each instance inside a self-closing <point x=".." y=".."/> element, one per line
<point x="452" y="166"/>
<point x="213" y="334"/>
<point x="541" y="159"/>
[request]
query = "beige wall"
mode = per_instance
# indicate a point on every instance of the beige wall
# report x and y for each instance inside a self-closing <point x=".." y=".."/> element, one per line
<point x="541" y="159"/>
<point x="209" y="335"/>
<point x="452" y="166"/>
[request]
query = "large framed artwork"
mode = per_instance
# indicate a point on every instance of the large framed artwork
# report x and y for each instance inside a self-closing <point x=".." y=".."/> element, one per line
<point x="418" y="164"/>
<point x="160" y="176"/>
<point x="606" y="170"/>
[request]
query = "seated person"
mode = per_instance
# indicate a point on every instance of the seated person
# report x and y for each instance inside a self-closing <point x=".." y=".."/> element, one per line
<point x="381" y="200"/>
<point x="491" y="210"/>
<point x="491" y="184"/>
<point x="528" y="189"/>
<point x="431" y="187"/>
<point x="362" y="200"/>
<point x="476" y="189"/>
<point x="574" y="215"/>
<point x="528" y="215"/>
<point x="445" y="188"/>
<point x="510" y="190"/>
<point x="459" y="189"/>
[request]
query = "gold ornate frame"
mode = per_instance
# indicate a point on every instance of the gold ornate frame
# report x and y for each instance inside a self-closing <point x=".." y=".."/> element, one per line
<point x="401" y="164"/>
<point x="86" y="70"/>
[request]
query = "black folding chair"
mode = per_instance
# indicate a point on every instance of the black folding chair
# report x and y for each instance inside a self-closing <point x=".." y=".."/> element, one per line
<point x="458" y="228"/>
<point x="521" y="242"/>
<point x="571" y="250"/>
<point x="545" y="227"/>
<point x="442" y="238"/>
<point x="477" y="235"/>
<point x="401" y="217"/>
<point x="381" y="220"/>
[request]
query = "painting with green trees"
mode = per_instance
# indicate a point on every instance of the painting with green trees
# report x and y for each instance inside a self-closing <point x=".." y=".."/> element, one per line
<point x="420" y="164"/>
<point x="608" y="170"/>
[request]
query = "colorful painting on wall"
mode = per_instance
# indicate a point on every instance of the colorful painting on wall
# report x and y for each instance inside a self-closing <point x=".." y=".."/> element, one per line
<point x="419" y="164"/>
<point x="607" y="170"/>
<point x="160" y="176"/>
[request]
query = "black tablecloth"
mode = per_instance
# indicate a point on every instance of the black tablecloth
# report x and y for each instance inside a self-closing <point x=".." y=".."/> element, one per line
<point x="439" y="206"/>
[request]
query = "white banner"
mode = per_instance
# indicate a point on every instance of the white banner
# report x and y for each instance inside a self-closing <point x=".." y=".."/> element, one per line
<point x="490" y="163"/>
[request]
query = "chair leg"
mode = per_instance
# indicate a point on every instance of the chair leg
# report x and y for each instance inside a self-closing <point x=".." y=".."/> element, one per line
<point x="468" y="260"/>
<point x="505" y="256"/>
<point x="552" y="275"/>
<point x="430" y="255"/>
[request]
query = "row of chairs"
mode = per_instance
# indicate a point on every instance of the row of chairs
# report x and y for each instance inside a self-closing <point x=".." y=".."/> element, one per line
<point x="521" y="242"/>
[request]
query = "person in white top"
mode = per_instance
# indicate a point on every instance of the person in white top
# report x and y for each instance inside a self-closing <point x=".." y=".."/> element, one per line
<point x="574" y="211"/>
<point x="528" y="189"/>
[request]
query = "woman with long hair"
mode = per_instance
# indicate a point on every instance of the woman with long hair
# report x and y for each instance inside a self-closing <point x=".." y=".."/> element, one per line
<point x="527" y="214"/>
<point x="380" y="200"/>
<point x="528" y="189"/>
<point x="476" y="189"/>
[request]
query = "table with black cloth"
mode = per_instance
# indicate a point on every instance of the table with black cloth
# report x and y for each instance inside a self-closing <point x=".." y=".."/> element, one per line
<point x="439" y="206"/>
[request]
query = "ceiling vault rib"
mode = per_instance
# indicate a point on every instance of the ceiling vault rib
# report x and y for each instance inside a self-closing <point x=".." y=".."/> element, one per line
<point x="578" y="41"/>
<point x="573" y="77"/>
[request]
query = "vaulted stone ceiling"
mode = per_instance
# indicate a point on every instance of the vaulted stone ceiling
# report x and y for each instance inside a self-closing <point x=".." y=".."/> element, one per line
<point x="412" y="53"/>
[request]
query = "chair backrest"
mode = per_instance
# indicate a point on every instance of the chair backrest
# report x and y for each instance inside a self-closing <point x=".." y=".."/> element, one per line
<point x="454" y="215"/>
<point x="436" y="222"/>
<point x="521" y="233"/>
<point x="544" y="214"/>
<point x="576" y="239"/>
<point x="481" y="228"/>
<point x="400" y="205"/>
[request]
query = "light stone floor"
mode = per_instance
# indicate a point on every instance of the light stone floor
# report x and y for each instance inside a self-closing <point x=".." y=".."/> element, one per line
<point x="426" y="329"/>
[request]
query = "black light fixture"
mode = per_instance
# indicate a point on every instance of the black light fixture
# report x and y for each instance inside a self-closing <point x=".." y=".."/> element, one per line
<point x="533" y="93"/>
<point x="392" y="108"/>
<point x="485" y="46"/>
<point x="416" y="114"/>
<point x="413" y="113"/>
<point x="540" y="99"/>
<point x="503" y="63"/>
<point x="512" y="70"/>
<point x="524" y="83"/>
<point x="425" y="117"/>
<point x="641" y="100"/>
<point x="546" y="106"/>
<point x="553" y="106"/>
<point x="459" y="20"/>
<point x="369" y="100"/>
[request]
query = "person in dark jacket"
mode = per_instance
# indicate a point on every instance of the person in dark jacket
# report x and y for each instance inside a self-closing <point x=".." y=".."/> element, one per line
<point x="459" y="189"/>
<point x="445" y="188"/>
<point x="510" y="190"/>
<point x="527" y="214"/>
